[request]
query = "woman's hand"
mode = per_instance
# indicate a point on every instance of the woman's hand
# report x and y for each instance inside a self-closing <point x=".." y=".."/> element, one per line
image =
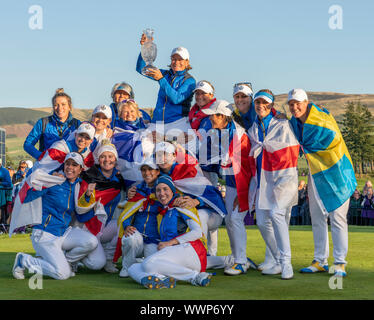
<point x="186" y="202"/>
<point x="154" y="73"/>
<point x="131" y="193"/>
<point x="109" y="133"/>
<point x="90" y="188"/>
<point x="169" y="243"/>
<point x="58" y="175"/>
<point x="130" y="230"/>
<point x="280" y="116"/>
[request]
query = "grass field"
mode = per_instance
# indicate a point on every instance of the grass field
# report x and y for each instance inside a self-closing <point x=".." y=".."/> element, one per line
<point x="100" y="285"/>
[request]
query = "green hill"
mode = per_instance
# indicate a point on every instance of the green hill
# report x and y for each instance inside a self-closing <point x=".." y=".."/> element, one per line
<point x="9" y="116"/>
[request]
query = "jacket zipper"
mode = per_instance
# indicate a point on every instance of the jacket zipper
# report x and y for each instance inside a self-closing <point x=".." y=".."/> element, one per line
<point x="63" y="215"/>
<point x="149" y="208"/>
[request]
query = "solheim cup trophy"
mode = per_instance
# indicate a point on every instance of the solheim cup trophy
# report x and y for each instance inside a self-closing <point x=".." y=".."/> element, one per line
<point x="148" y="50"/>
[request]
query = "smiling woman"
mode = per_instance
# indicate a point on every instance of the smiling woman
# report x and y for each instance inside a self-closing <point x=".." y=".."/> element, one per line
<point x="52" y="128"/>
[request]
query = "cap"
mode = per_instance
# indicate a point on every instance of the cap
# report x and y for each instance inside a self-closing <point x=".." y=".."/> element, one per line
<point x="264" y="95"/>
<point x="150" y="163"/>
<point x="77" y="157"/>
<point x="219" y="107"/>
<point x="124" y="87"/>
<point x="29" y="163"/>
<point x="102" y="108"/>
<point x="167" y="180"/>
<point x="107" y="147"/>
<point x="204" y="86"/>
<point x="183" y="52"/>
<point x="243" y="88"/>
<point x="88" y="128"/>
<point x="298" y="95"/>
<point x="165" y="147"/>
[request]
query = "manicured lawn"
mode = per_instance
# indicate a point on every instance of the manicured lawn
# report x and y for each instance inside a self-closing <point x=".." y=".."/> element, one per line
<point x="100" y="285"/>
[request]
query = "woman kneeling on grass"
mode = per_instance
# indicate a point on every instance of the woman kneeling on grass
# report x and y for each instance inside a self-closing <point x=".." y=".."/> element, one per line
<point x="54" y="241"/>
<point x="181" y="253"/>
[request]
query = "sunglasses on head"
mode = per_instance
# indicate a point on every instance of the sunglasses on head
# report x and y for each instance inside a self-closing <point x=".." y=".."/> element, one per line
<point x="128" y="100"/>
<point x="243" y="83"/>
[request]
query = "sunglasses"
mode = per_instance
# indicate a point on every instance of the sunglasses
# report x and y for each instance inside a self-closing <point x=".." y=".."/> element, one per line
<point x="128" y="100"/>
<point x="243" y="83"/>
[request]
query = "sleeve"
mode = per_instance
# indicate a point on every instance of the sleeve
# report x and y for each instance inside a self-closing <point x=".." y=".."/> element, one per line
<point x="195" y="232"/>
<point x="6" y="182"/>
<point x="32" y="139"/>
<point x="33" y="194"/>
<point x="179" y="95"/>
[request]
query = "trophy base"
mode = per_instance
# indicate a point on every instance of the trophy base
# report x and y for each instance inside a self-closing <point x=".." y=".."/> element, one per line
<point x="146" y="68"/>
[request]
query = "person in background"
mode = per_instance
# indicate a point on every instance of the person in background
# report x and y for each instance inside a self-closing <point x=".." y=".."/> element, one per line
<point x="50" y="129"/>
<point x="21" y="172"/>
<point x="367" y="205"/>
<point x="354" y="213"/>
<point x="5" y="193"/>
<point x="367" y="185"/>
<point x="296" y="213"/>
<point x="123" y="91"/>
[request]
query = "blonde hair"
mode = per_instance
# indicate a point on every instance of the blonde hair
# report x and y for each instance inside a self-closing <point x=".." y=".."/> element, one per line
<point x="60" y="93"/>
<point x="129" y="103"/>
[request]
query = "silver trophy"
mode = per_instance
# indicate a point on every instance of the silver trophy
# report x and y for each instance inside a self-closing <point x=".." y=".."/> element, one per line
<point x="148" y="50"/>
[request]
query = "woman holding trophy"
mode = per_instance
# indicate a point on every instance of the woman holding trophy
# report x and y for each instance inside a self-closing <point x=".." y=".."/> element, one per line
<point x="176" y="85"/>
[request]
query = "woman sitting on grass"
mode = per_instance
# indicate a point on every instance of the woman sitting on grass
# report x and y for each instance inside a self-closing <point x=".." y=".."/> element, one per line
<point x="181" y="253"/>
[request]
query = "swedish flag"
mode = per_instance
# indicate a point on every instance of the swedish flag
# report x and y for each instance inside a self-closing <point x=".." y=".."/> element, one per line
<point x="328" y="158"/>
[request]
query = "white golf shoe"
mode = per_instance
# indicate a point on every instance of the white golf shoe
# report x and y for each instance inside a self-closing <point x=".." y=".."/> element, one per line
<point x="287" y="271"/>
<point x="18" y="270"/>
<point x="110" y="267"/>
<point x="124" y="273"/>
<point x="274" y="269"/>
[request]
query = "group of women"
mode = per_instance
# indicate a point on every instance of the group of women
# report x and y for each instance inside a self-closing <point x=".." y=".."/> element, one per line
<point x="88" y="212"/>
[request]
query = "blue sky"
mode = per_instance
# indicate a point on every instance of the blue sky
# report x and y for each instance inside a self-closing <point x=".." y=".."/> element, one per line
<point x="87" y="46"/>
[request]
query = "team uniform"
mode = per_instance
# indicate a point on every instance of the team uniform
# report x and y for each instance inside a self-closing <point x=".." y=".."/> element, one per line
<point x="140" y="212"/>
<point x="47" y="131"/>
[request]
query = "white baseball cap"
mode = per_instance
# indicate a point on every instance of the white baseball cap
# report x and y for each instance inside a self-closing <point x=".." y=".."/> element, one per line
<point x="88" y="128"/>
<point x="108" y="147"/>
<point x="29" y="163"/>
<point x="77" y="157"/>
<point x="102" y="108"/>
<point x="246" y="89"/>
<point x="165" y="147"/>
<point x="150" y="163"/>
<point x="204" y="86"/>
<point x="298" y="95"/>
<point x="183" y="52"/>
<point x="219" y="107"/>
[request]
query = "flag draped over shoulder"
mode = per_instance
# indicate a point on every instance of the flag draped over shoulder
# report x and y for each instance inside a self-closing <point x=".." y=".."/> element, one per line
<point x="130" y="207"/>
<point x="105" y="192"/>
<point x="330" y="164"/>
<point x="30" y="213"/>
<point x="132" y="147"/>
<point x="279" y="176"/>
<point x="189" y="178"/>
<point x="52" y="158"/>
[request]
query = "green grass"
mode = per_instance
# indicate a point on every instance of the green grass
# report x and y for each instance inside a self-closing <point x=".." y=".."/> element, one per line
<point x="100" y="285"/>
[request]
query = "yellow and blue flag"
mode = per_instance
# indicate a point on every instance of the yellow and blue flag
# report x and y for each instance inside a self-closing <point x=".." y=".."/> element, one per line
<point x="328" y="158"/>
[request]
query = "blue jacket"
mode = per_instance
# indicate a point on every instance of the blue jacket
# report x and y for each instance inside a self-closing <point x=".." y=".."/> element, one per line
<point x="173" y="224"/>
<point x="55" y="130"/>
<point x="175" y="94"/>
<point x="58" y="204"/>
<point x="115" y="118"/>
<point x="130" y="125"/>
<point x="145" y="221"/>
<point x="247" y="118"/>
<point x="5" y="181"/>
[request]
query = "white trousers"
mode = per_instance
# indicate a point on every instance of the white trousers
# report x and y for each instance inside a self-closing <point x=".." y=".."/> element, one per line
<point x="180" y="262"/>
<point x="210" y="221"/>
<point x="235" y="228"/>
<point x="57" y="252"/>
<point x="273" y="225"/>
<point x="339" y="230"/>
<point x="134" y="247"/>
<point x="107" y="242"/>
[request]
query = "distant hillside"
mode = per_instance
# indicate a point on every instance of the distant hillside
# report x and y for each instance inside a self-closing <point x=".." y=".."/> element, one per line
<point x="9" y="116"/>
